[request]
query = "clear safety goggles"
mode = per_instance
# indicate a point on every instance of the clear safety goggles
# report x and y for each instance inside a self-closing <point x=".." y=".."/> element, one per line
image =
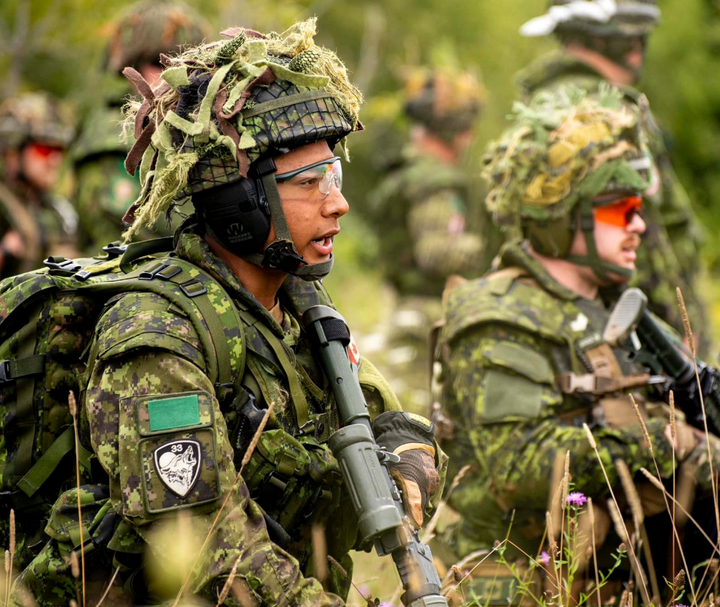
<point x="317" y="178"/>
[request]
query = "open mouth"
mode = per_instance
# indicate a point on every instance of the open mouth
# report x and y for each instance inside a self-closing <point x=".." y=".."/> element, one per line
<point x="323" y="245"/>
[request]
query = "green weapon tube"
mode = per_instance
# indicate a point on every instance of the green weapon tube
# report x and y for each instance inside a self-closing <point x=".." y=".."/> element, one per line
<point x="377" y="502"/>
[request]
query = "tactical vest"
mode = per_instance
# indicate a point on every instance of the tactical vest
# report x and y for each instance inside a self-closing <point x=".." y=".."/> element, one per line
<point x="594" y="376"/>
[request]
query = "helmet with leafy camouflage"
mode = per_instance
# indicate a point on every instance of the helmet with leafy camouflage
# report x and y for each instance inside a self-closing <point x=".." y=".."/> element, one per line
<point x="149" y="28"/>
<point x="547" y="170"/>
<point x="626" y="18"/>
<point x="444" y="99"/>
<point x="223" y="112"/>
<point x="33" y="117"/>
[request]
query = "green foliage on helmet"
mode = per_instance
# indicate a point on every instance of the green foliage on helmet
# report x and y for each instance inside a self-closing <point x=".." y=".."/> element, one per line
<point x="565" y="147"/>
<point x="595" y="18"/>
<point x="34" y="117"/>
<point x="149" y="28"/>
<point x="226" y="104"/>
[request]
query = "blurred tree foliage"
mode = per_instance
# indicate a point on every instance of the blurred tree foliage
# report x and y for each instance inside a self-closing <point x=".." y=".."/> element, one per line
<point x="58" y="45"/>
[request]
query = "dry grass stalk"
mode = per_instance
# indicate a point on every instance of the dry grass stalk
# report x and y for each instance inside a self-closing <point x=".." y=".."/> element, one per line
<point x="26" y="599"/>
<point x="624" y="598"/>
<point x="673" y="436"/>
<point x="639" y="516"/>
<point x="74" y="565"/>
<point x="10" y="557"/>
<point x="243" y="595"/>
<point x="591" y="511"/>
<point x="109" y="586"/>
<point x="228" y="583"/>
<point x="642" y="425"/>
<point x="430" y="527"/>
<point x="618" y="522"/>
<point x="238" y="477"/>
<point x="72" y="404"/>
<point x="8" y="582"/>
<point x="319" y="544"/>
<point x="73" y="603"/>
<point x="634" y="559"/>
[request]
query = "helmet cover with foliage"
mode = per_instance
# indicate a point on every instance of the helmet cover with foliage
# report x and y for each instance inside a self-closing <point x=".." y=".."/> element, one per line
<point x="34" y="117"/>
<point x="596" y="18"/>
<point x="224" y="110"/>
<point x="149" y="28"/>
<point x="564" y="149"/>
<point x="446" y="100"/>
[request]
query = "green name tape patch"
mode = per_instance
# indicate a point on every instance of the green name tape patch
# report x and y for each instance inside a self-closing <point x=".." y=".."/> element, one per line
<point x="174" y="412"/>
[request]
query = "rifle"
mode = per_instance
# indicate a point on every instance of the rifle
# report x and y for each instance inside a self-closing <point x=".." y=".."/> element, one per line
<point x="663" y="353"/>
<point x="364" y="465"/>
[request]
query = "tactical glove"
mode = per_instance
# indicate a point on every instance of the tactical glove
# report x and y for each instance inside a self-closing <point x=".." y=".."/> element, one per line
<point x="410" y="436"/>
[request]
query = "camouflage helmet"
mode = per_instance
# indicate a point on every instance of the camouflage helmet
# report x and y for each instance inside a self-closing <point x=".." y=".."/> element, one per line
<point x="33" y="117"/>
<point x="228" y="104"/>
<point x="564" y="149"/>
<point x="596" y="18"/>
<point x="149" y="28"/>
<point x="445" y="100"/>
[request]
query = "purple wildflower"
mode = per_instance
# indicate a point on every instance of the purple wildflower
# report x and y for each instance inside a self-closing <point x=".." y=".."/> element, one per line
<point x="544" y="558"/>
<point x="576" y="499"/>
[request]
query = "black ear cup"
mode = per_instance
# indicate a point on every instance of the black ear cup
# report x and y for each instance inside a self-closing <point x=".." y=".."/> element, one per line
<point x="236" y="215"/>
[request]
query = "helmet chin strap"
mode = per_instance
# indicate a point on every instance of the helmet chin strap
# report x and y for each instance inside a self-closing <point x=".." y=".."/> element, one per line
<point x="592" y="259"/>
<point x="281" y="253"/>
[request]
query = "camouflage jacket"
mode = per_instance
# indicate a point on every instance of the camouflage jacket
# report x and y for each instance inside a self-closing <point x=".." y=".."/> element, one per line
<point x="514" y="345"/>
<point x="46" y="222"/>
<point x="669" y="257"/>
<point x="421" y="210"/>
<point x="103" y="188"/>
<point x="167" y="445"/>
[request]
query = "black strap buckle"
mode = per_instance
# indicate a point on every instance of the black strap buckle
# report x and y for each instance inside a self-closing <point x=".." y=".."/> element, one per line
<point x="5" y="375"/>
<point x="164" y="271"/>
<point x="193" y="288"/>
<point x="114" y="250"/>
<point x="62" y="264"/>
<point x="272" y="488"/>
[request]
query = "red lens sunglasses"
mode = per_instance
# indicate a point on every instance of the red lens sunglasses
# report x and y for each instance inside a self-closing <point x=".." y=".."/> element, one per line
<point x="619" y="212"/>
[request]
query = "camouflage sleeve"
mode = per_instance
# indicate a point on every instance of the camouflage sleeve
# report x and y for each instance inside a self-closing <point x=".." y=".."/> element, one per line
<point x="505" y="399"/>
<point x="104" y="191"/>
<point x="441" y="243"/>
<point x="158" y="431"/>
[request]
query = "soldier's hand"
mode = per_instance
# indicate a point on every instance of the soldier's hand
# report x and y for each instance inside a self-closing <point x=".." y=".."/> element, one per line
<point x="410" y="437"/>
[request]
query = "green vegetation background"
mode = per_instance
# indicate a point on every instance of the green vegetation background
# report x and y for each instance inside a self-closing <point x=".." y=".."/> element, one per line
<point x="58" y="45"/>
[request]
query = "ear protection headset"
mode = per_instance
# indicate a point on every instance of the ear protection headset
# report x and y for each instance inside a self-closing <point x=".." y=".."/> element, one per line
<point x="236" y="215"/>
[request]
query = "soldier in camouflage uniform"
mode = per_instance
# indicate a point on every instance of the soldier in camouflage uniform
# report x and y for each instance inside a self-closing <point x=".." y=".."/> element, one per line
<point x="104" y="190"/>
<point x="421" y="211"/>
<point x="246" y="128"/>
<point x="606" y="43"/>
<point x="34" y="221"/>
<point x="524" y="363"/>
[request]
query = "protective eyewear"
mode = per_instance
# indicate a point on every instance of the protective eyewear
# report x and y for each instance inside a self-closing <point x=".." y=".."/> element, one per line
<point x="619" y="212"/>
<point x="44" y="150"/>
<point x="317" y="177"/>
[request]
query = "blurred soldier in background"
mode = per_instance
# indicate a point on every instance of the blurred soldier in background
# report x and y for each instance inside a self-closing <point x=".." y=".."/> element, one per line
<point x="104" y="190"/>
<point x="34" y="222"/>
<point x="421" y="212"/>
<point x="606" y="42"/>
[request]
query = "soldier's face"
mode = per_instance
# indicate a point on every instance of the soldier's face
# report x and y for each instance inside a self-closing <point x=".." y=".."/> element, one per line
<point x="312" y="219"/>
<point x="616" y="241"/>
<point x="41" y="164"/>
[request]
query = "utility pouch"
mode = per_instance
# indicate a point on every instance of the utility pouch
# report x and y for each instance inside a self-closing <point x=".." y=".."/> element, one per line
<point x="290" y="478"/>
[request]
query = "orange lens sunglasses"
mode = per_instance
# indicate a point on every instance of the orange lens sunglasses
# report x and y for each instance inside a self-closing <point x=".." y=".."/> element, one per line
<point x="619" y="212"/>
<point x="44" y="150"/>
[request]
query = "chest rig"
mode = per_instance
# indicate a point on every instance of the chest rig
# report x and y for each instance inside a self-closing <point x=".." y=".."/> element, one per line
<point x="601" y="376"/>
<point x="292" y="474"/>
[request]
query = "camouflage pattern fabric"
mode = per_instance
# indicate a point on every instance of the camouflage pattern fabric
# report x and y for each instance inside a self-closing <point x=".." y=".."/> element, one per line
<point x="421" y="208"/>
<point x="167" y="444"/>
<point x="104" y="190"/>
<point x="47" y="224"/>
<point x="506" y="340"/>
<point x="669" y="257"/>
<point x="420" y="212"/>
